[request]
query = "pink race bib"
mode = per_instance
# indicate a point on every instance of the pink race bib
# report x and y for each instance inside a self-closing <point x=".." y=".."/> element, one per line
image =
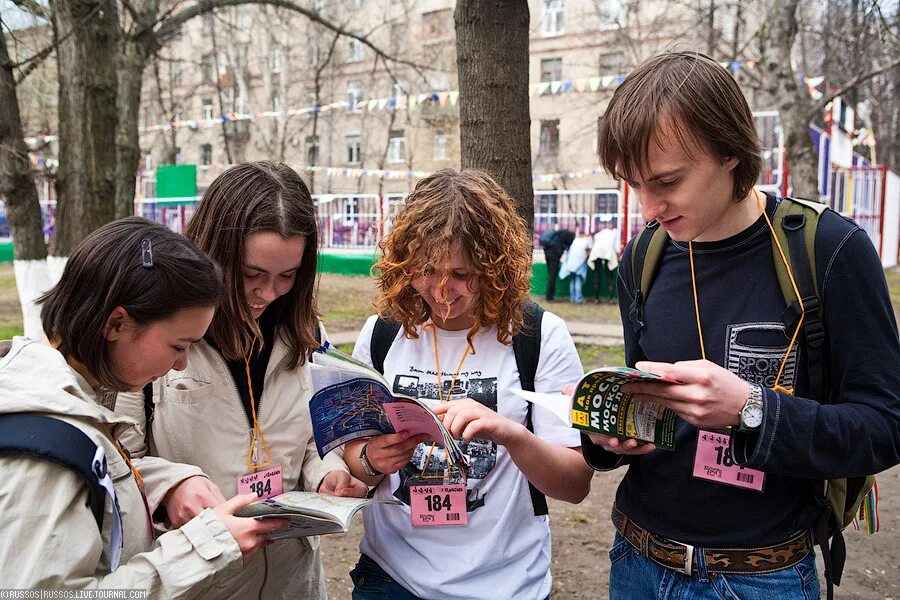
<point x="264" y="484"/>
<point x="438" y="504"/>
<point x="713" y="462"/>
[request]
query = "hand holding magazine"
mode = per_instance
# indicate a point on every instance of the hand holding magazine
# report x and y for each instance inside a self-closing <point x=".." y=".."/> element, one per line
<point x="600" y="406"/>
<point x="353" y="400"/>
<point x="309" y="513"/>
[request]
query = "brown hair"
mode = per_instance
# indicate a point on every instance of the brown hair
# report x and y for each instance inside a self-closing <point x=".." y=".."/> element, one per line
<point x="470" y="209"/>
<point x="145" y="268"/>
<point x="700" y="101"/>
<point x="247" y="199"/>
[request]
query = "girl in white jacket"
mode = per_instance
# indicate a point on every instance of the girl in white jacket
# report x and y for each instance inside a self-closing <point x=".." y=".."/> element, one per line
<point x="240" y="411"/>
<point x="133" y="297"/>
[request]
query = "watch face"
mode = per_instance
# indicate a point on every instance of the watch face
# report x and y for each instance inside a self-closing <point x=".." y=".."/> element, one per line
<point x="752" y="416"/>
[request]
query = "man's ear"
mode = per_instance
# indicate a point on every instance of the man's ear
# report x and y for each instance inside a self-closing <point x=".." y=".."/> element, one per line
<point x="116" y="323"/>
<point x="731" y="162"/>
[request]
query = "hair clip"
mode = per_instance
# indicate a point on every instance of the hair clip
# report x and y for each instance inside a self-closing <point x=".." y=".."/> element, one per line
<point x="147" y="253"/>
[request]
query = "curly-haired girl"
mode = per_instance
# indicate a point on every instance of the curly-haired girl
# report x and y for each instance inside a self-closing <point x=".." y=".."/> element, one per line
<point x="455" y="276"/>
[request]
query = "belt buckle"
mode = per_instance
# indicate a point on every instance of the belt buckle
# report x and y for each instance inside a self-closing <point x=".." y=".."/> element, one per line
<point x="688" y="559"/>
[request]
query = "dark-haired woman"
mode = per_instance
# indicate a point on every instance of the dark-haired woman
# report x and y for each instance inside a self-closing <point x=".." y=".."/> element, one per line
<point x="240" y="411"/>
<point x="132" y="299"/>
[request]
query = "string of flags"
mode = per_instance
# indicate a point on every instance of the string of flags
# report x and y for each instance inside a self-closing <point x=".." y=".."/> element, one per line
<point x="441" y="99"/>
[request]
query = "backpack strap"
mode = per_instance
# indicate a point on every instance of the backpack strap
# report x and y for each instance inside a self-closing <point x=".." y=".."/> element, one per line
<point x="646" y="254"/>
<point x="383" y="335"/>
<point x="46" y="438"/>
<point x="795" y="224"/>
<point x="527" y="349"/>
<point x="149" y="407"/>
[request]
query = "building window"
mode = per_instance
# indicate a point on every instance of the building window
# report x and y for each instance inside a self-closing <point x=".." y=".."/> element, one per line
<point x="176" y="154"/>
<point x="612" y="63"/>
<point x="354" y="96"/>
<point x="554" y="21"/>
<point x="206" y="154"/>
<point x="614" y="13"/>
<point x="312" y="149"/>
<point x="551" y="69"/>
<point x="436" y="24"/>
<point x="440" y="146"/>
<point x="176" y="71"/>
<point x="276" y="101"/>
<point x="208" y="67"/>
<point x="207" y="22"/>
<point x="355" y="4"/>
<point x="396" y="147"/>
<point x="549" y="142"/>
<point x="398" y="38"/>
<point x="207" y="110"/>
<point x="276" y="60"/>
<point x="353" y="143"/>
<point x="355" y="51"/>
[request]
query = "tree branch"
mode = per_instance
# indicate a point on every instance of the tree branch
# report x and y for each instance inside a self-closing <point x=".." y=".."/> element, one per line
<point x="32" y="7"/>
<point x="859" y="79"/>
<point x="170" y="24"/>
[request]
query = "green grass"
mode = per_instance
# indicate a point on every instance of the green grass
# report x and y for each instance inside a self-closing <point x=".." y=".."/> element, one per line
<point x="593" y="357"/>
<point x="8" y="330"/>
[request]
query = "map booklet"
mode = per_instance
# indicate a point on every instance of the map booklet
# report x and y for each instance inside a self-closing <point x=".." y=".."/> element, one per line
<point x="600" y="406"/>
<point x="353" y="401"/>
<point x="309" y="513"/>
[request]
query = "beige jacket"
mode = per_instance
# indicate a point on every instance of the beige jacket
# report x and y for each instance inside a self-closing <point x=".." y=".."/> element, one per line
<point x="199" y="419"/>
<point x="49" y="536"/>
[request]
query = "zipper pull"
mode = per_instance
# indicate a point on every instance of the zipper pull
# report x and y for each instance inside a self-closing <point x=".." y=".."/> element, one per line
<point x="254" y="454"/>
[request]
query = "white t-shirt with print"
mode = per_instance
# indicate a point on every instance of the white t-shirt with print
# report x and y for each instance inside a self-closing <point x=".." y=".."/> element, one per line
<point x="504" y="551"/>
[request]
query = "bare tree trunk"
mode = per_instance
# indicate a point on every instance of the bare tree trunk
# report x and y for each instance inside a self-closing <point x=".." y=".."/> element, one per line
<point x="17" y="188"/>
<point x="18" y="191"/>
<point x="88" y="30"/>
<point x="133" y="55"/>
<point x="792" y="101"/>
<point x="494" y="121"/>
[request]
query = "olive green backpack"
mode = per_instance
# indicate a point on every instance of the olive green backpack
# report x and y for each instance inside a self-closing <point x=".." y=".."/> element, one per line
<point x="795" y="223"/>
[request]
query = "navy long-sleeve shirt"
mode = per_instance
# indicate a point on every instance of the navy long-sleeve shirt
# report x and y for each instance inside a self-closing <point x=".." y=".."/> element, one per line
<point x="854" y="431"/>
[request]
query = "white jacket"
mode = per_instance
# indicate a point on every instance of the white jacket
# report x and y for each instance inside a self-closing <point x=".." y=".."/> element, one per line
<point x="49" y="536"/>
<point x="199" y="419"/>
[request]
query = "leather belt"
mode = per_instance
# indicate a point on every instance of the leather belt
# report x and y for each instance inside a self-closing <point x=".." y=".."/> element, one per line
<point x="683" y="557"/>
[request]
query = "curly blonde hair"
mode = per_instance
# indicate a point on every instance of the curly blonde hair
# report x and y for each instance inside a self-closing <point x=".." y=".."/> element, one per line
<point x="471" y="211"/>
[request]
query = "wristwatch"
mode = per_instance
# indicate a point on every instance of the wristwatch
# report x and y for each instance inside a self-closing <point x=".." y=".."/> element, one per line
<point x="366" y="465"/>
<point x="752" y="413"/>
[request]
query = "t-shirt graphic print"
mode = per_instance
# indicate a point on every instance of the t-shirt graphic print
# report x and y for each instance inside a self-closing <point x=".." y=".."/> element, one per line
<point x="429" y="464"/>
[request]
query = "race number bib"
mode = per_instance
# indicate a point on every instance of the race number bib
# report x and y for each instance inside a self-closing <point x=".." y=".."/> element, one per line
<point x="438" y="504"/>
<point x="264" y="484"/>
<point x="713" y="462"/>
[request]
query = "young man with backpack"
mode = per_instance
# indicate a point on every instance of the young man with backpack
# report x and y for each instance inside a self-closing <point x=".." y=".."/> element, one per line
<point x="779" y="392"/>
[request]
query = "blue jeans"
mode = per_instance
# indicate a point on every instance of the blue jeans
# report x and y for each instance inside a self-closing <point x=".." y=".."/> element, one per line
<point x="575" y="284"/>
<point x="634" y="577"/>
<point x="370" y="582"/>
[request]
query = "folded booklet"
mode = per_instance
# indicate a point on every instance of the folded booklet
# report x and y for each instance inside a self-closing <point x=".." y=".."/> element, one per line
<point x="309" y="513"/>
<point x="600" y="406"/>
<point x="353" y="400"/>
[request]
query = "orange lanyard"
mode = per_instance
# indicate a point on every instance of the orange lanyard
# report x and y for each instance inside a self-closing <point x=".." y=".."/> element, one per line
<point x="257" y="436"/>
<point x="437" y="363"/>
<point x="440" y="386"/>
<point x="777" y="387"/>
<point x="137" y="476"/>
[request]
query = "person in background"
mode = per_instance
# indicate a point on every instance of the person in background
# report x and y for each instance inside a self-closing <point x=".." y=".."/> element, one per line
<point x="574" y="266"/>
<point x="603" y="262"/>
<point x="554" y="242"/>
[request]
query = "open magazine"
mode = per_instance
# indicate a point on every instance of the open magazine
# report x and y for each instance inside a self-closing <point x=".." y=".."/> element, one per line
<point x="353" y="400"/>
<point x="309" y="513"/>
<point x="600" y="406"/>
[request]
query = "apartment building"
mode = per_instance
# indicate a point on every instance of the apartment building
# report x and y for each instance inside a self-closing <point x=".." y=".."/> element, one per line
<point x="292" y="90"/>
